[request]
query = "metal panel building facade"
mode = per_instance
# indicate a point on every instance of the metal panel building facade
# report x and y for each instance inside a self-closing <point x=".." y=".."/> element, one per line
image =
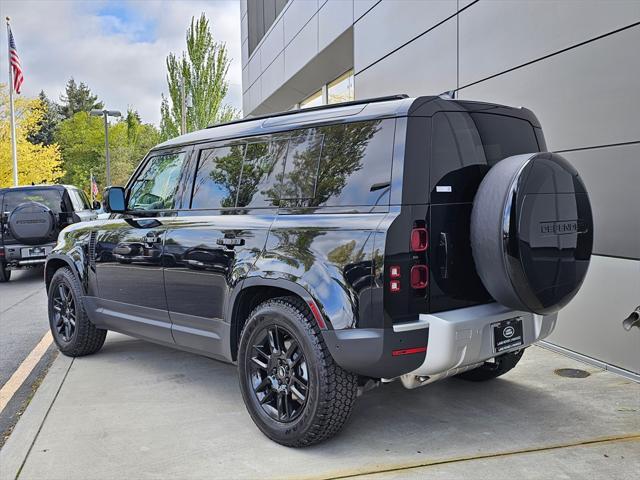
<point x="575" y="64"/>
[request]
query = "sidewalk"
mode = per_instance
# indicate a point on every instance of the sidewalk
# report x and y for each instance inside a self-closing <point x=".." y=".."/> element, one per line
<point x="137" y="410"/>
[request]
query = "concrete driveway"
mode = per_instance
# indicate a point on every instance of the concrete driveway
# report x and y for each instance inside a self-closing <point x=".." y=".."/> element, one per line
<point x="137" y="410"/>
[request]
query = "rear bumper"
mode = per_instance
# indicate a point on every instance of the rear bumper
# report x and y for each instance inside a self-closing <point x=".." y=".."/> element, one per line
<point x="463" y="338"/>
<point x="13" y="254"/>
<point x="370" y="351"/>
<point x="455" y="341"/>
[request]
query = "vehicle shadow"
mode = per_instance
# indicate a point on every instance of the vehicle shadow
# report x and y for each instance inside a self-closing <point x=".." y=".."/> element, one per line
<point x="147" y="398"/>
<point x="527" y="408"/>
<point x="27" y="275"/>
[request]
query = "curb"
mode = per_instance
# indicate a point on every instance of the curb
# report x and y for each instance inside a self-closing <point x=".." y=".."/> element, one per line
<point x="15" y="451"/>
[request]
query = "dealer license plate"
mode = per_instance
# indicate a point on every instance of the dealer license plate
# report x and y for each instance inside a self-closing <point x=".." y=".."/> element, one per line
<point x="507" y="334"/>
<point x="35" y="252"/>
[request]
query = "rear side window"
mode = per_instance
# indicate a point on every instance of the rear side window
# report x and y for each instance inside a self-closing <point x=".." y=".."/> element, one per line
<point x="340" y="165"/>
<point x="355" y="165"/>
<point x="262" y="171"/>
<point x="217" y="177"/>
<point x="301" y="168"/>
<point x="465" y="146"/>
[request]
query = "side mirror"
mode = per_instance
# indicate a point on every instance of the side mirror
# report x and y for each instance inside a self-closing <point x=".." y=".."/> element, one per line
<point x="96" y="205"/>
<point x="114" y="200"/>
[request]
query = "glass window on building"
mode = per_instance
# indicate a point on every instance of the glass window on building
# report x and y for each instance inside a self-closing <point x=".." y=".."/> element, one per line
<point x="313" y="100"/>
<point x="341" y="89"/>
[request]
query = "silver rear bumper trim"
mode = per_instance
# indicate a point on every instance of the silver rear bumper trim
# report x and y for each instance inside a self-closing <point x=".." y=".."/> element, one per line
<point x="464" y="337"/>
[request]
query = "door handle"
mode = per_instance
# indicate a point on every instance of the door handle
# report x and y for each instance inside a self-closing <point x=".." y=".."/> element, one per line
<point x="632" y="320"/>
<point x="444" y="246"/>
<point x="230" y="242"/>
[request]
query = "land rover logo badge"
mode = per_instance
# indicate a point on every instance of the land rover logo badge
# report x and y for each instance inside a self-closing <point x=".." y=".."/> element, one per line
<point x="508" y="332"/>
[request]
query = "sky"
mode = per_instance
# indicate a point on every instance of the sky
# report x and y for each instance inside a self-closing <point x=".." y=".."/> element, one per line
<point x="118" y="48"/>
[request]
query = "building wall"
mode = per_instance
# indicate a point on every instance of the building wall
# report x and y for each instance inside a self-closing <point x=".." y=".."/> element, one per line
<point x="575" y="64"/>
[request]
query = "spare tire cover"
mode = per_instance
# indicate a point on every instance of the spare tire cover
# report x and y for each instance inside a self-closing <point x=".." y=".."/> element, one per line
<point x="32" y="223"/>
<point x="532" y="232"/>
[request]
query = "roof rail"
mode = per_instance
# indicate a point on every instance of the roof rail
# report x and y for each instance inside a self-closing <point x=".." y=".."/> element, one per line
<point x="313" y="109"/>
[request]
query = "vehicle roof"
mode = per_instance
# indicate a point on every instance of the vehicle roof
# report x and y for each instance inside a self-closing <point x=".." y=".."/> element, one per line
<point x="44" y="186"/>
<point x="368" y="109"/>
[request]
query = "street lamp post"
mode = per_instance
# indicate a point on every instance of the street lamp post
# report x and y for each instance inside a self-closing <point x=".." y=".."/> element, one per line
<point x="105" y="114"/>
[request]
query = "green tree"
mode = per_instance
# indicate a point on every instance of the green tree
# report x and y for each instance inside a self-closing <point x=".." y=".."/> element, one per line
<point x="129" y="140"/>
<point x="81" y="140"/>
<point x="204" y="67"/>
<point x="78" y="98"/>
<point x="45" y="132"/>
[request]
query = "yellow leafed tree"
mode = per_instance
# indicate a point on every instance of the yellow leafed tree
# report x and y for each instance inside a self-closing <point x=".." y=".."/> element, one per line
<point x="36" y="163"/>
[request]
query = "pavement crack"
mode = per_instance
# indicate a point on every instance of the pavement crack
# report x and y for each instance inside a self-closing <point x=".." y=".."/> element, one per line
<point x="44" y="419"/>
<point x="543" y="448"/>
<point x="35" y="292"/>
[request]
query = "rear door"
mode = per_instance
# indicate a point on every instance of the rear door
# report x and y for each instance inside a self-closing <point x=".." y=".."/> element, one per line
<point x="464" y="147"/>
<point x="129" y="250"/>
<point x="212" y="246"/>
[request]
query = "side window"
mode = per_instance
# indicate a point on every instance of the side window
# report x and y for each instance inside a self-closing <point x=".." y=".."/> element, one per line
<point x="156" y="185"/>
<point x="301" y="168"/>
<point x="355" y="165"/>
<point x="78" y="199"/>
<point x="218" y="177"/>
<point x="262" y="172"/>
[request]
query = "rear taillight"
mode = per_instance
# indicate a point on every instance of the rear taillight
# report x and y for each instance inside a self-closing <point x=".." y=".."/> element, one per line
<point x="419" y="273"/>
<point x="419" y="239"/>
<point x="419" y="277"/>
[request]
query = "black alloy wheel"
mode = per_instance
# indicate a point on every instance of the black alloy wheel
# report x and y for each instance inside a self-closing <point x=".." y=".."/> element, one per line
<point x="294" y="391"/>
<point x="279" y="374"/>
<point x="64" y="312"/>
<point x="71" y="328"/>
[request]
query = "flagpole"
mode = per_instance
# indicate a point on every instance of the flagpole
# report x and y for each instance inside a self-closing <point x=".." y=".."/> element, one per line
<point x="12" y="117"/>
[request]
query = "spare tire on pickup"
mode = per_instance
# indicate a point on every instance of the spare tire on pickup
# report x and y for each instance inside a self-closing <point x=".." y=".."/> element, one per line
<point x="32" y="223"/>
<point x="532" y="232"/>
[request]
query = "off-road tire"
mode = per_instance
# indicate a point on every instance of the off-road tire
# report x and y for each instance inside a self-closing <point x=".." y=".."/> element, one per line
<point x="5" y="273"/>
<point x="86" y="338"/>
<point x="490" y="370"/>
<point x="332" y="391"/>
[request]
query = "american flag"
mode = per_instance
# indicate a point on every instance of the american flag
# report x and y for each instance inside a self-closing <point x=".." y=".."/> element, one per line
<point x="94" y="186"/>
<point x="15" y="63"/>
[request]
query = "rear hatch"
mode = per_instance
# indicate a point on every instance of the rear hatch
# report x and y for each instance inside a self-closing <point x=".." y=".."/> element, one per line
<point x="461" y="148"/>
<point x="51" y="197"/>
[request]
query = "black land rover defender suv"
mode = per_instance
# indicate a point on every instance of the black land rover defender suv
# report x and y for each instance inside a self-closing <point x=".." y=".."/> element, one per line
<point x="327" y="249"/>
<point x="31" y="218"/>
